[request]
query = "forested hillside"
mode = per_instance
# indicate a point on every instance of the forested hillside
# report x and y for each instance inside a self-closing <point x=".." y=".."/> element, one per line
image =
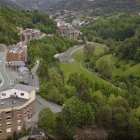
<point x="92" y="107"/>
<point x="98" y="7"/>
<point x="121" y="34"/>
<point x="12" y="20"/>
<point x="95" y="7"/>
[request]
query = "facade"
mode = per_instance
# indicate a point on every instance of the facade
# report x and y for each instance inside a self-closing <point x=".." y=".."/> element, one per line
<point x="69" y="32"/>
<point x="17" y="52"/>
<point x="28" y="34"/>
<point x="16" y="108"/>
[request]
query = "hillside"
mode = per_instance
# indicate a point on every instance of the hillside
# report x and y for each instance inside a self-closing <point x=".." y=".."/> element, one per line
<point x="37" y="4"/>
<point x="10" y="3"/>
<point x="94" y="7"/>
<point x="11" y="19"/>
<point x="98" y="7"/>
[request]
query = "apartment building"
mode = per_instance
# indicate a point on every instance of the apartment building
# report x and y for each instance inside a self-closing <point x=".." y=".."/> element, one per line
<point x="28" y="34"/>
<point x="16" y="108"/>
<point x="17" y="52"/>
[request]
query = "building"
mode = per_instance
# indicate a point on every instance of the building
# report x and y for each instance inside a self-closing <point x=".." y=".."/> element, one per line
<point x="69" y="31"/>
<point x="16" y="64"/>
<point x="16" y="108"/>
<point x="17" y="52"/>
<point x="28" y="34"/>
<point x="77" y="22"/>
<point x="25" y="73"/>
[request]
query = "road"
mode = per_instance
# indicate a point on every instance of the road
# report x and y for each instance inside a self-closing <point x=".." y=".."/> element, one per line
<point x="71" y="50"/>
<point x="41" y="103"/>
<point x="7" y="75"/>
<point x="35" y="80"/>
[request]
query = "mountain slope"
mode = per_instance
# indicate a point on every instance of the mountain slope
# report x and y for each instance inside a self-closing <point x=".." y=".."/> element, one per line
<point x="37" y="4"/>
<point x="98" y="6"/>
<point x="10" y="3"/>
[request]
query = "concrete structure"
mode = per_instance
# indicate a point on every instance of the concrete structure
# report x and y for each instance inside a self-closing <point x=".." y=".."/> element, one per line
<point x="16" y="108"/>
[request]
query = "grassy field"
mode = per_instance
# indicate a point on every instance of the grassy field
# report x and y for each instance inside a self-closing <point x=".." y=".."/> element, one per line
<point x="76" y="66"/>
<point x="124" y="68"/>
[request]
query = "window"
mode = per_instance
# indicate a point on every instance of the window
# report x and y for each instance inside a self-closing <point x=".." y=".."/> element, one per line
<point x="22" y="94"/>
<point x="0" y="131"/>
<point x="8" y="130"/>
<point x="3" y="94"/>
<point x="19" y="127"/>
<point x="19" y="121"/>
<point x="8" y="123"/>
<point x="9" y="117"/>
<point x="8" y="112"/>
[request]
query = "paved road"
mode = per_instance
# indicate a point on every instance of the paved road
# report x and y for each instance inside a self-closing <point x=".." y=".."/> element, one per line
<point x="41" y="103"/>
<point x="35" y="80"/>
<point x="8" y="75"/>
<point x="71" y="50"/>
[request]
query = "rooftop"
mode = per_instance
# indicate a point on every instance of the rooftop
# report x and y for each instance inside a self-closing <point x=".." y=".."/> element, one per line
<point x="24" y="87"/>
<point x="9" y="102"/>
<point x="17" y="63"/>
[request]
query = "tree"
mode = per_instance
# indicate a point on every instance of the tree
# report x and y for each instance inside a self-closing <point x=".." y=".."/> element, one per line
<point x="47" y="120"/>
<point x="105" y="68"/>
<point x="98" y="100"/>
<point x="134" y="124"/>
<point x="83" y="86"/>
<point x="77" y="114"/>
<point x="104" y="117"/>
<point x="89" y="51"/>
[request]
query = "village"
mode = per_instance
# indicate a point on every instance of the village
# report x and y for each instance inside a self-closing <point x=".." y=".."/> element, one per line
<point x="19" y="84"/>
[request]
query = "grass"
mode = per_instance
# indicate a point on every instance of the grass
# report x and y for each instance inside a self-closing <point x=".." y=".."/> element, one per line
<point x="76" y="66"/>
<point x="125" y="68"/>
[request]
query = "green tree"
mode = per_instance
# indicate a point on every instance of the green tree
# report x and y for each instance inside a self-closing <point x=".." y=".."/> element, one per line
<point x="105" y="68"/>
<point x="47" y="120"/>
<point x="76" y="113"/>
<point x="89" y="51"/>
<point x="134" y="124"/>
